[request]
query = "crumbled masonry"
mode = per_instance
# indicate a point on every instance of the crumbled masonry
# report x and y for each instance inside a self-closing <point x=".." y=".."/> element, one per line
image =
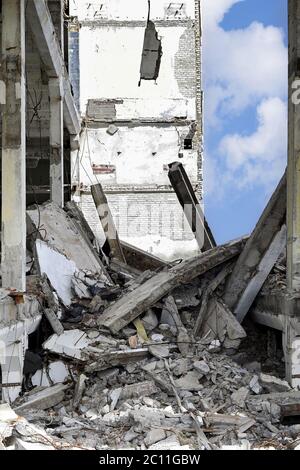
<point x="180" y="373"/>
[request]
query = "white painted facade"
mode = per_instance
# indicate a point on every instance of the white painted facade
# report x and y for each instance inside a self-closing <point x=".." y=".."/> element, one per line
<point x="152" y="120"/>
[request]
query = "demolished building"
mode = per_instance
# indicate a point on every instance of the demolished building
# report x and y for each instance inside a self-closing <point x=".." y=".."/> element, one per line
<point x="141" y="111"/>
<point x="106" y="346"/>
<point x="40" y="123"/>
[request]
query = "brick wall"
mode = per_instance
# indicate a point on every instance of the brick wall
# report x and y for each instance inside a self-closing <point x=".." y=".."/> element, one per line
<point x="140" y="214"/>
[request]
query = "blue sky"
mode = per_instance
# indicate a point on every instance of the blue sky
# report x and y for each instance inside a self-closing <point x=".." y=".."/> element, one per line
<point x="245" y="86"/>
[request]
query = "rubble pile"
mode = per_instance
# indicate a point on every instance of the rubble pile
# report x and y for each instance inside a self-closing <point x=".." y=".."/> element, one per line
<point x="140" y="359"/>
<point x="162" y="400"/>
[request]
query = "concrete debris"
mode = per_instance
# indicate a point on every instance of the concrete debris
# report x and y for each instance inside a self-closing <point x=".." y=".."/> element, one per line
<point x="144" y="355"/>
<point x="54" y="321"/>
<point x="171" y="443"/>
<point x="221" y="325"/>
<point x="150" y="320"/>
<point x="202" y="367"/>
<point x="273" y="384"/>
<point x="112" y="129"/>
<point x="154" y="436"/>
<point x="43" y="399"/>
<point x="79" y="390"/>
<point x="169" y="314"/>
<point x="255" y="386"/>
<point x="133" y="304"/>
<point x="53" y="373"/>
<point x="58" y="268"/>
<point x="238" y="398"/>
<point x="189" y="382"/>
<point x="159" y="350"/>
<point x="248" y="269"/>
<point x="65" y="234"/>
<point x="69" y="344"/>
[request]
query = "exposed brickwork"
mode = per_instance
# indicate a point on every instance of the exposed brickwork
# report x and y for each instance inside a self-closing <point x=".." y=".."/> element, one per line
<point x="138" y="215"/>
<point x="185" y="64"/>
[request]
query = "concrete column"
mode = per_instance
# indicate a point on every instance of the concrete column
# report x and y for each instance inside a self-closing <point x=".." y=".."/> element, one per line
<point x="13" y="146"/>
<point x="56" y="141"/>
<point x="292" y="316"/>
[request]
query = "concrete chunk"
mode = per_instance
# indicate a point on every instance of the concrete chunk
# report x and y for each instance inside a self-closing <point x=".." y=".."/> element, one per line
<point x="154" y="435"/>
<point x="44" y="399"/>
<point x="190" y="381"/>
<point x="273" y="384"/>
<point x="132" y="304"/>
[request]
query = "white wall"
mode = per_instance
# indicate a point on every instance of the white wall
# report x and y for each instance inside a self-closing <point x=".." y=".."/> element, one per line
<point x="160" y="113"/>
<point x="139" y="154"/>
<point x="110" y="60"/>
<point x="130" y="10"/>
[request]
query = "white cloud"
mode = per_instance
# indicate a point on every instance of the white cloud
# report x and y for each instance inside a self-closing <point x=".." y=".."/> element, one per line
<point x="244" y="65"/>
<point x="243" y="68"/>
<point x="259" y="158"/>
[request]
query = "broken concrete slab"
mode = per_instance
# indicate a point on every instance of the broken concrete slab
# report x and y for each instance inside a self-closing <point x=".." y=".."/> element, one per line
<point x="160" y="351"/>
<point x="54" y="321"/>
<point x="66" y="236"/>
<point x="170" y="443"/>
<point x="70" y="344"/>
<point x="20" y="444"/>
<point x="215" y="422"/>
<point x="154" y="435"/>
<point x="150" y="320"/>
<point x="221" y="325"/>
<point x="80" y="286"/>
<point x="7" y="420"/>
<point x="50" y="297"/>
<point x="101" y="361"/>
<point x="170" y="314"/>
<point x="59" y="270"/>
<point x="114" y="397"/>
<point x="255" y="386"/>
<point x="268" y="226"/>
<point x="239" y="397"/>
<point x="107" y="222"/>
<point x="273" y="384"/>
<point x="142" y="260"/>
<point x="189" y="381"/>
<point x="43" y="399"/>
<point x="264" y="268"/>
<point x="139" y="390"/>
<point x="210" y="289"/>
<point x="184" y="342"/>
<point x="79" y="390"/>
<point x="202" y="367"/>
<point x="191" y="206"/>
<point x="131" y="305"/>
<point x="54" y="373"/>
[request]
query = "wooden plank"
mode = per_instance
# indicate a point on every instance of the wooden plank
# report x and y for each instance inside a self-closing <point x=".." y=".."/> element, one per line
<point x="134" y="303"/>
